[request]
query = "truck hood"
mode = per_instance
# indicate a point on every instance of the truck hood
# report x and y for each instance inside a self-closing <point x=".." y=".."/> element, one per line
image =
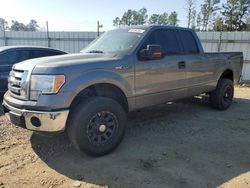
<point x="64" y="60"/>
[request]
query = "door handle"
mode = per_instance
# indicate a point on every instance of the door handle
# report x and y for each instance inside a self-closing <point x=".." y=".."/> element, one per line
<point x="182" y="65"/>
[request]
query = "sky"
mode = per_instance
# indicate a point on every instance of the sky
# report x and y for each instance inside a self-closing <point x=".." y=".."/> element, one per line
<point x="82" y="15"/>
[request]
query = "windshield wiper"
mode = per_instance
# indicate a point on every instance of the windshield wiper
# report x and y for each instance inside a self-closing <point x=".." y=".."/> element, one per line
<point x="95" y="51"/>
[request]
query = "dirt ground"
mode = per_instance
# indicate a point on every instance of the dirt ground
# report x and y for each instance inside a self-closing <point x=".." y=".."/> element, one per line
<point x="184" y="144"/>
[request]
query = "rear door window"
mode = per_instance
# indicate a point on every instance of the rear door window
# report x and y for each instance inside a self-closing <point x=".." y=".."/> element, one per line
<point x="189" y="43"/>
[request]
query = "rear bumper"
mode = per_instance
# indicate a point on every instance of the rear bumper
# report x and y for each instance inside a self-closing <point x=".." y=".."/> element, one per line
<point x="36" y="120"/>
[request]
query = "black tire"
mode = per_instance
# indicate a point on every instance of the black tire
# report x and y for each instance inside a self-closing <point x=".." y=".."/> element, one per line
<point x="96" y="126"/>
<point x="221" y="98"/>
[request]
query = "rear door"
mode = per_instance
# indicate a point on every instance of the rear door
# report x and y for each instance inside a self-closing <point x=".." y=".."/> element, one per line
<point x="200" y="71"/>
<point x="7" y="60"/>
<point x="164" y="79"/>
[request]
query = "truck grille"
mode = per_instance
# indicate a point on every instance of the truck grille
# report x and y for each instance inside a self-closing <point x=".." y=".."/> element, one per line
<point x="17" y="83"/>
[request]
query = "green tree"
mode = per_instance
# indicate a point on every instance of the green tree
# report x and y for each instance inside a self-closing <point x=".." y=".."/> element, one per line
<point x="154" y="19"/>
<point x="190" y="8"/>
<point x="235" y="14"/>
<point x="18" y="26"/>
<point x="173" y="19"/>
<point x="208" y="11"/>
<point x="127" y="18"/>
<point x="244" y="11"/>
<point x="132" y="17"/>
<point x="193" y="19"/>
<point x="163" y="19"/>
<point x="3" y="24"/>
<point x="198" y="22"/>
<point x="248" y="24"/>
<point x="141" y="16"/>
<point x="117" y="22"/>
<point x="218" y="25"/>
<point x="229" y="12"/>
<point x="32" y="26"/>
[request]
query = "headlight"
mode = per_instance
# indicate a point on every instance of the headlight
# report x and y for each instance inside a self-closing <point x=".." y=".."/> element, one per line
<point x="45" y="84"/>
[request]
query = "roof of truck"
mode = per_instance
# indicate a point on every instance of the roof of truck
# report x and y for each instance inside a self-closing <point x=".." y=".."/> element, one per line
<point x="152" y="26"/>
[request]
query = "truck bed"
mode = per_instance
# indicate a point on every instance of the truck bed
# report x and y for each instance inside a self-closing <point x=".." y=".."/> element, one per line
<point x="235" y="59"/>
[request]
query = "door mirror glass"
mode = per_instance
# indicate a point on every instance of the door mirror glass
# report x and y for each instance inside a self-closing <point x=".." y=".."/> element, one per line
<point x="152" y="52"/>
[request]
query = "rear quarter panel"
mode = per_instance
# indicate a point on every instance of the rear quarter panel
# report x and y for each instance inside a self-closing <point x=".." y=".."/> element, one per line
<point x="227" y="60"/>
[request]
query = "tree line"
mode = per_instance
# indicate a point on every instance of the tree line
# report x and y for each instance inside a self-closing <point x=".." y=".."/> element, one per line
<point x="212" y="15"/>
<point x="140" y="17"/>
<point x="232" y="15"/>
<point x="18" y="26"/>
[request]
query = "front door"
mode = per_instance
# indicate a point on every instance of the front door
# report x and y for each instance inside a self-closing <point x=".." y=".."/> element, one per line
<point x="164" y="79"/>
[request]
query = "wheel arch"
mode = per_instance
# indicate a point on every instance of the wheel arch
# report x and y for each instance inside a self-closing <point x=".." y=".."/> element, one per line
<point x="107" y="89"/>
<point x="227" y="74"/>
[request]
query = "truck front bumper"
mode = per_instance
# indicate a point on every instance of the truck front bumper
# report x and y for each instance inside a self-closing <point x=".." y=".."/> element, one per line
<point x="42" y="121"/>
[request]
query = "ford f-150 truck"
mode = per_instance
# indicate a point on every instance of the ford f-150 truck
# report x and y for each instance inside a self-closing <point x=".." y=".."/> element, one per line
<point x="89" y="94"/>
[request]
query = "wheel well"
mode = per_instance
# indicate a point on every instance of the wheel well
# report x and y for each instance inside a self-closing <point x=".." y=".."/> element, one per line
<point x="104" y="90"/>
<point x="228" y="74"/>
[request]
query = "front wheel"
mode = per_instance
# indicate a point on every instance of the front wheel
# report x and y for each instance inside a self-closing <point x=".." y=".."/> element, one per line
<point x="221" y="98"/>
<point x="96" y="126"/>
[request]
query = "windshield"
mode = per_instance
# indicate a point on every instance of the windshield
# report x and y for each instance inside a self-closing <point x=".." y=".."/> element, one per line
<point x="119" y="40"/>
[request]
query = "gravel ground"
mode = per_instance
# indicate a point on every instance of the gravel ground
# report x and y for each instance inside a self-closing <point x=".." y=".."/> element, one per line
<point x="184" y="144"/>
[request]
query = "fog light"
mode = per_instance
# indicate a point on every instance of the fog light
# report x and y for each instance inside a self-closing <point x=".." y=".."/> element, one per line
<point x="35" y="122"/>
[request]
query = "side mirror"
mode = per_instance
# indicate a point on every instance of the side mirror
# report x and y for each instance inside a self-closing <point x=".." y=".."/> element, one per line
<point x="152" y="52"/>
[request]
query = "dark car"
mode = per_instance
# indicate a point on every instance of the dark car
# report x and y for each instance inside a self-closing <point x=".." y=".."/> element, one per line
<point x="10" y="55"/>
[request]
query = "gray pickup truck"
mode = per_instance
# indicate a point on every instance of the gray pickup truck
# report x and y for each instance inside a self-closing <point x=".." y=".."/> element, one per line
<point x="89" y="94"/>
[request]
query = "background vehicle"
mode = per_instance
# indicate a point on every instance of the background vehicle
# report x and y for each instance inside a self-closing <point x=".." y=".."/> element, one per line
<point x="89" y="94"/>
<point x="10" y="55"/>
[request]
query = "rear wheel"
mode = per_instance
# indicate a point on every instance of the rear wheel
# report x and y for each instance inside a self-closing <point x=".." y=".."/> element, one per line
<point x="221" y="98"/>
<point x="96" y="126"/>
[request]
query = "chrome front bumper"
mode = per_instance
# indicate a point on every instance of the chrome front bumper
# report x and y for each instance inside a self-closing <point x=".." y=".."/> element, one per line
<point x="36" y="120"/>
